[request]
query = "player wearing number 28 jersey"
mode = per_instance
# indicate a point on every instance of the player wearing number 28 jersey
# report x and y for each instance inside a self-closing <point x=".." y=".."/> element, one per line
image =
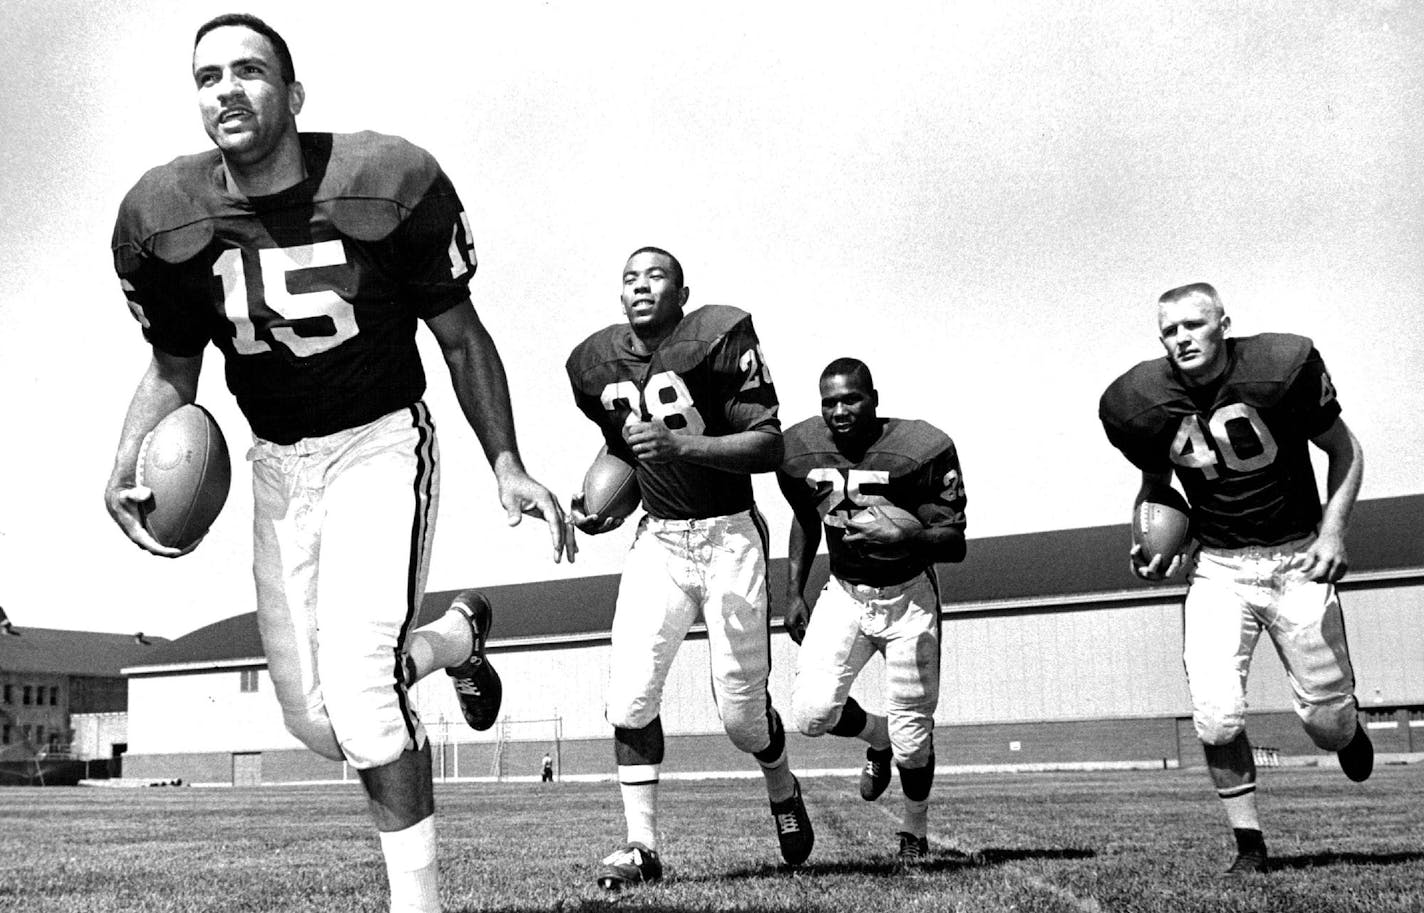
<point x="309" y="260"/>
<point x="687" y="399"/>
<point x="1233" y="419"/>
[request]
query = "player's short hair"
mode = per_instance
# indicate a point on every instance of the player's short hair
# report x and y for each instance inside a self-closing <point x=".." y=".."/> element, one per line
<point x="676" y="266"/>
<point x="247" y="20"/>
<point x="1202" y="291"/>
<point x="851" y="367"/>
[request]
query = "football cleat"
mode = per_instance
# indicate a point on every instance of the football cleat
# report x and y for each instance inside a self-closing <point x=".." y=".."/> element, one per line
<point x="634" y="864"/>
<point x="477" y="685"/>
<point x="1248" y="862"/>
<point x="793" y="827"/>
<point x="875" y="776"/>
<point x="1357" y="759"/>
<point x="913" y="850"/>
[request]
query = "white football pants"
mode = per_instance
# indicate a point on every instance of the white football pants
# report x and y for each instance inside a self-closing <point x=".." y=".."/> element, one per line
<point x="852" y="622"/>
<point x="678" y="570"/>
<point x="1234" y="595"/>
<point x="342" y="526"/>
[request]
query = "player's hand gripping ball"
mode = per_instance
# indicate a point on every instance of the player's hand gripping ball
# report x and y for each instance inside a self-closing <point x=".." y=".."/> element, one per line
<point x="184" y="462"/>
<point x="866" y="521"/>
<point x="1161" y="525"/>
<point x="610" y="488"/>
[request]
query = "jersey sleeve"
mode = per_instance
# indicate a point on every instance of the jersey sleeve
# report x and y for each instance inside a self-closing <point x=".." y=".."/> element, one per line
<point x="748" y="395"/>
<point x="1126" y="421"/>
<point x="435" y="245"/>
<point x="944" y="483"/>
<point x="155" y="297"/>
<point x="1311" y="396"/>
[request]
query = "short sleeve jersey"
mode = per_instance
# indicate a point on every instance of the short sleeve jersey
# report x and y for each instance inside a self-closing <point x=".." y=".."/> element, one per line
<point x="1238" y="445"/>
<point x="313" y="293"/>
<point x="708" y="377"/>
<point x="913" y="465"/>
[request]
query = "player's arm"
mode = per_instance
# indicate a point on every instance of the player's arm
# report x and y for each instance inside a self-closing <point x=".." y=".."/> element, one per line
<point x="482" y="388"/>
<point x="802" y="542"/>
<point x="1326" y="559"/>
<point x="169" y="382"/>
<point x="756" y="450"/>
<point x="1137" y="557"/>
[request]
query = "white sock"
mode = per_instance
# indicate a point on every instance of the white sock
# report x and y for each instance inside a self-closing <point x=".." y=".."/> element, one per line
<point x="916" y="818"/>
<point x="876" y="732"/>
<point x="444" y="642"/>
<point x="780" y="783"/>
<point x="1241" y="811"/>
<point x="639" y="785"/>
<point x="411" y="868"/>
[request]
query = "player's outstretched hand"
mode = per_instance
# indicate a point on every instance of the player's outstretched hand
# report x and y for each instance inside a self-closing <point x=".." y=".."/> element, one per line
<point x="796" y="617"/>
<point x="1152" y="570"/>
<point x="521" y="494"/>
<point x="592" y="524"/>
<point x="652" y="442"/>
<point x="1325" y="561"/>
<point x="124" y="504"/>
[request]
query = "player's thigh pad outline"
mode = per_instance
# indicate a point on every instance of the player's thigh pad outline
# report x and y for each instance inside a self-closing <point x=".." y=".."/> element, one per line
<point x="1308" y="630"/>
<point x="658" y="600"/>
<point x="364" y="500"/>
<point x="1220" y="628"/>
<point x="911" y="643"/>
<point x="732" y="560"/>
<point x="831" y="655"/>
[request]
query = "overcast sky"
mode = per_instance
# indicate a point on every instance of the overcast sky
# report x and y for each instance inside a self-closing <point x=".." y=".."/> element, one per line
<point x="981" y="200"/>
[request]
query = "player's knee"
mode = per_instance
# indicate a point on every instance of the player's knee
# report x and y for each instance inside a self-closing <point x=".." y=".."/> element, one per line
<point x="1330" y="726"/>
<point x="1218" y="728"/>
<point x="775" y="736"/>
<point x="313" y="729"/>
<point x="635" y="714"/>
<point x="916" y="781"/>
<point x="814" y="718"/>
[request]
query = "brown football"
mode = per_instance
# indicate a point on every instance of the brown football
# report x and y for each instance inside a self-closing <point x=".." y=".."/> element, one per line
<point x="184" y="462"/>
<point x="610" y="487"/>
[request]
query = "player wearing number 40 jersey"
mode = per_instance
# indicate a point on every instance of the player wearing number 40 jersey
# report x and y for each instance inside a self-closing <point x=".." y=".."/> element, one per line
<point x="308" y="260"/>
<point x="1233" y="418"/>
<point x="686" y="399"/>
<point x="883" y="595"/>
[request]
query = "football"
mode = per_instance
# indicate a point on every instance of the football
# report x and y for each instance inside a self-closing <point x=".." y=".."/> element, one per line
<point x="184" y="462"/>
<point x="1161" y="524"/>
<point x="897" y="516"/>
<point x="610" y="487"/>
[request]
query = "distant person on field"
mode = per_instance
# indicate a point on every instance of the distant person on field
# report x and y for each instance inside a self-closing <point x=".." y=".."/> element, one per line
<point x="1233" y="419"/>
<point x="308" y="260"/>
<point x="883" y="595"/>
<point x="546" y="768"/>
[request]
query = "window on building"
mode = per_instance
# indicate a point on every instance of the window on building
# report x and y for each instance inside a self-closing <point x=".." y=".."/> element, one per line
<point x="5" y="735"/>
<point x="9" y="694"/>
<point x="39" y="735"/>
<point x="26" y="697"/>
<point x="247" y="682"/>
<point x="27" y="732"/>
<point x="54" y="696"/>
<point x="1416" y="717"/>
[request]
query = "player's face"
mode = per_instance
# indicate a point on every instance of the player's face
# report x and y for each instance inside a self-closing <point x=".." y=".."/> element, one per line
<point x="248" y="109"/>
<point x="847" y="406"/>
<point x="1194" y="335"/>
<point x="652" y="299"/>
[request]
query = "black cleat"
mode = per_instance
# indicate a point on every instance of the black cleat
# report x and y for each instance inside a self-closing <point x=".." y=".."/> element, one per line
<point x="1357" y="759"/>
<point x="1248" y="862"/>
<point x="875" y="776"/>
<point x="913" y="850"/>
<point x="634" y="864"/>
<point x="793" y="827"/>
<point x="477" y="685"/>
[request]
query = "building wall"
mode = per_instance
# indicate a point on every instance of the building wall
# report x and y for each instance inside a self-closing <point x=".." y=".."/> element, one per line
<point x="1066" y="683"/>
<point x="34" y="713"/>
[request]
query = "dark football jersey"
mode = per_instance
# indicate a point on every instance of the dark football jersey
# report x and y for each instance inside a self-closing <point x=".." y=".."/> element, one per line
<point x="1238" y="445"/>
<point x="913" y="466"/>
<point x="313" y="294"/>
<point x="708" y="377"/>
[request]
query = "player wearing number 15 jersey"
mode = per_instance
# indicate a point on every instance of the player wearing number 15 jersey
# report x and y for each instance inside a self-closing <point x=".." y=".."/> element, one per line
<point x="687" y="399"/>
<point x="1233" y="419"/>
<point x="308" y="260"/>
<point x="883" y="595"/>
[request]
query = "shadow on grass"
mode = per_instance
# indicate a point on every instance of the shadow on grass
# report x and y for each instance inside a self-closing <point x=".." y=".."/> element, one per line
<point x="940" y="860"/>
<point x="1324" y="860"/>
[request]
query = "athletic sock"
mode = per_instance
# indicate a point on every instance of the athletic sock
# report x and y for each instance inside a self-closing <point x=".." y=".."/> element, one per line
<point x="411" y="868"/>
<point x="876" y="732"/>
<point x="1241" y="810"/>
<point x="444" y="642"/>
<point x="780" y="783"/>
<point x="639" y="785"/>
<point x="916" y="817"/>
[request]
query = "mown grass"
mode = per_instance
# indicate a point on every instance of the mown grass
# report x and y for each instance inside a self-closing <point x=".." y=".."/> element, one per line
<point x="1141" y="841"/>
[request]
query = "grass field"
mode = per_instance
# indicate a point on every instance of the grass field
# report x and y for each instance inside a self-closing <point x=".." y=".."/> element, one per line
<point x="1129" y="841"/>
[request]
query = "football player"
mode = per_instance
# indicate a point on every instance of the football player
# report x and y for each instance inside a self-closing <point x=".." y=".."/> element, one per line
<point x="883" y="594"/>
<point x="308" y="259"/>
<point x="686" y="398"/>
<point x="1232" y="418"/>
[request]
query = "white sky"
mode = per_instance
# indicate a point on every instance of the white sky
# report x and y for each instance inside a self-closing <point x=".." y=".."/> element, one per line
<point x="982" y="200"/>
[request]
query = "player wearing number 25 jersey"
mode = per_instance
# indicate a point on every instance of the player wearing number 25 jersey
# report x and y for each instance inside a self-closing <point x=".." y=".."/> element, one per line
<point x="1233" y="419"/>
<point x="308" y="260"/>
<point x="883" y="595"/>
<point x="686" y="398"/>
